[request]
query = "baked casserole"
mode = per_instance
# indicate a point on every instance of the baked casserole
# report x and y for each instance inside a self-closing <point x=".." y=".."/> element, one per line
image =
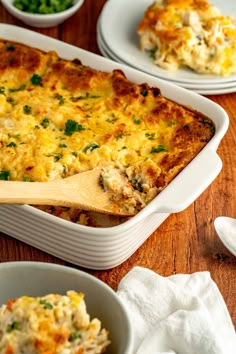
<point x="60" y="117"/>
<point x="189" y="33"/>
<point x="52" y="324"/>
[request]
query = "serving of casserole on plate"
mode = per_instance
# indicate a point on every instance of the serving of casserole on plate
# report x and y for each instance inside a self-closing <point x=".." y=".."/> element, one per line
<point x="193" y="34"/>
<point x="64" y="117"/>
<point x="124" y="45"/>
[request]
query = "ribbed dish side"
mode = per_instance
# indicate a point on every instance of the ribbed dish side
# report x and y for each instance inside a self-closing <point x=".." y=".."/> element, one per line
<point x="74" y="246"/>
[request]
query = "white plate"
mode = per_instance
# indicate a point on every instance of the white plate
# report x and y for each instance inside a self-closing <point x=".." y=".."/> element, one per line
<point x="208" y="89"/>
<point x="104" y="248"/>
<point x="119" y="20"/>
<point x="199" y="86"/>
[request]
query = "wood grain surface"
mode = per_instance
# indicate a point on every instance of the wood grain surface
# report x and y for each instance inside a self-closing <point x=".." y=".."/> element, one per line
<point x="186" y="242"/>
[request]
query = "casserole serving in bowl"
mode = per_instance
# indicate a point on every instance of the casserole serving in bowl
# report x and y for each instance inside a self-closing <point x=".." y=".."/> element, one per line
<point x="105" y="247"/>
<point x="54" y="307"/>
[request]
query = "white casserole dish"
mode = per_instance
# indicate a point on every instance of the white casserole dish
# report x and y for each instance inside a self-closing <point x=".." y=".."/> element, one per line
<point x="104" y="248"/>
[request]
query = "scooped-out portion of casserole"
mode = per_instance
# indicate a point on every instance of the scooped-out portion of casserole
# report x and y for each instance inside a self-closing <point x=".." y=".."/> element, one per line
<point x="189" y="33"/>
<point x="60" y="117"/>
<point x="52" y="324"/>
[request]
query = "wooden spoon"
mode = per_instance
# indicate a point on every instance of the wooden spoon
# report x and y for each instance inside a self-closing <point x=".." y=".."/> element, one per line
<point x="82" y="191"/>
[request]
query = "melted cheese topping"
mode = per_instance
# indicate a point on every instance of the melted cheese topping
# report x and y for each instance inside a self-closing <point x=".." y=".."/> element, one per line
<point x="178" y="33"/>
<point x="52" y="324"/>
<point x="59" y="117"/>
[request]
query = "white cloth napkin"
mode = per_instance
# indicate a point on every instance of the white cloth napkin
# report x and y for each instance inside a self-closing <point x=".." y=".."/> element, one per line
<point x="179" y="314"/>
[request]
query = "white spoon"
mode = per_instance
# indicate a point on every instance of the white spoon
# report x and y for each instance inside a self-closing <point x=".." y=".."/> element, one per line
<point x="226" y="230"/>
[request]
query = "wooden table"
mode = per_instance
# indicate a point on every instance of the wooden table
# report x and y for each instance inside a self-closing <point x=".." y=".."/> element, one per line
<point x="186" y="242"/>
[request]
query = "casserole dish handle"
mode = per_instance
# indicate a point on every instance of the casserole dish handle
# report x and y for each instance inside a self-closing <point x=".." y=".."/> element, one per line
<point x="189" y="184"/>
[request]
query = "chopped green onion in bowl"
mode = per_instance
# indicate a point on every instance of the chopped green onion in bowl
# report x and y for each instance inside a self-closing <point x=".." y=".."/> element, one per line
<point x="43" y="6"/>
<point x="42" y="13"/>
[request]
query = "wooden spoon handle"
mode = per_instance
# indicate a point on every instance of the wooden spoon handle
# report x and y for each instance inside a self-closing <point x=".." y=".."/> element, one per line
<point x="17" y="192"/>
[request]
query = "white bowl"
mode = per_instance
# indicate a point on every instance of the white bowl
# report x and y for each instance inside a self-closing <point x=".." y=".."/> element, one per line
<point x="41" y="20"/>
<point x="38" y="279"/>
<point x="104" y="248"/>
